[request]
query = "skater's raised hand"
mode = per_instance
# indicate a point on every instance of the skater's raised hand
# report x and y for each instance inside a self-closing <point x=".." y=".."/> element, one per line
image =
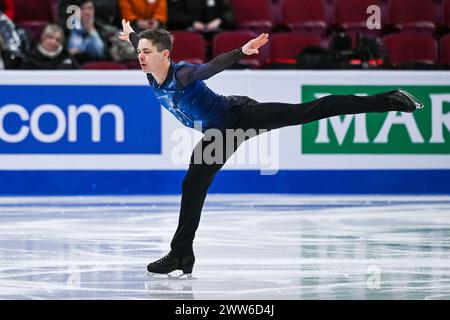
<point x="252" y="46"/>
<point x="127" y="29"/>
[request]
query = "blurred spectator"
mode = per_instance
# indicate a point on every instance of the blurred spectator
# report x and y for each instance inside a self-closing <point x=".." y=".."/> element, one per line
<point x="86" y="43"/>
<point x="200" y="15"/>
<point x="8" y="34"/>
<point x="107" y="15"/>
<point x="50" y="53"/>
<point x="7" y="7"/>
<point x="108" y="25"/>
<point x="9" y="59"/>
<point x="144" y="14"/>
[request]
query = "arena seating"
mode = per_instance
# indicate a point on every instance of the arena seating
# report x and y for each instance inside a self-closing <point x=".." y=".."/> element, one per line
<point x="408" y="47"/>
<point x="34" y="15"/>
<point x="305" y="15"/>
<point x="421" y="25"/>
<point x="418" y="17"/>
<point x="285" y="46"/>
<point x="352" y="15"/>
<point x="445" y="51"/>
<point x="189" y="46"/>
<point x="226" y="41"/>
<point x="253" y="14"/>
<point x="446" y="13"/>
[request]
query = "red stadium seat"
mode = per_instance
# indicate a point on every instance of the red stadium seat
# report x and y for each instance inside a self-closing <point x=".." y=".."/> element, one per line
<point x="352" y="14"/>
<point x="416" y="15"/>
<point x="54" y="6"/>
<point x="103" y="65"/>
<point x="253" y="14"/>
<point x="226" y="41"/>
<point x="275" y="10"/>
<point x="286" y="46"/>
<point x="445" y="51"/>
<point x="305" y="15"/>
<point x="34" y="29"/>
<point x="446" y="8"/>
<point x="27" y="10"/>
<point x="189" y="46"/>
<point x="408" y="47"/>
<point x="33" y="16"/>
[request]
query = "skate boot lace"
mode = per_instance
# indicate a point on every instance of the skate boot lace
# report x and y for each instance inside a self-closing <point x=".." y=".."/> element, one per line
<point x="163" y="259"/>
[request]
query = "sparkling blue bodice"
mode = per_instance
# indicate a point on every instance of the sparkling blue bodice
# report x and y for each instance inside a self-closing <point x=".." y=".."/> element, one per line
<point x="194" y="105"/>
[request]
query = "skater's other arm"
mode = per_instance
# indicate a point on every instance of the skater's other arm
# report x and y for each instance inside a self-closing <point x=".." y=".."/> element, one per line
<point x="134" y="39"/>
<point x="191" y="73"/>
<point x="128" y="34"/>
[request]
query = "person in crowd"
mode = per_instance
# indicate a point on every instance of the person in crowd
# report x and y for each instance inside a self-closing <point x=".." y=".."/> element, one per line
<point x="200" y="15"/>
<point x="107" y="15"/>
<point x="50" y="53"/>
<point x="144" y="14"/>
<point x="106" y="12"/>
<point x="8" y="33"/>
<point x="8" y="58"/>
<point x="7" y="7"/>
<point x="85" y="41"/>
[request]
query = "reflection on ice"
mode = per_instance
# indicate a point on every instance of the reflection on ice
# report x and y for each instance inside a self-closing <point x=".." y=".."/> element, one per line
<point x="247" y="247"/>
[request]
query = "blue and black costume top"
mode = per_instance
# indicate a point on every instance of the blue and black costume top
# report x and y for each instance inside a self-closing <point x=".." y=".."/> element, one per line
<point x="188" y="98"/>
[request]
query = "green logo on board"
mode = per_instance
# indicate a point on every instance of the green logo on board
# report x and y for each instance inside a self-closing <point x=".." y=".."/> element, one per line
<point x="426" y="131"/>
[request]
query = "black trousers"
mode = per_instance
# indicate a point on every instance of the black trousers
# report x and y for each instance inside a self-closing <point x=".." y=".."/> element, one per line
<point x="258" y="116"/>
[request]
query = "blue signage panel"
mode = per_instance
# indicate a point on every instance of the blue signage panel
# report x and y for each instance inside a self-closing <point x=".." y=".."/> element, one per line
<point x="72" y="119"/>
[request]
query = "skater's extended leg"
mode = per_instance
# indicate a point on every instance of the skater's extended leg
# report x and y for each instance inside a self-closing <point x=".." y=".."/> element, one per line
<point x="278" y="115"/>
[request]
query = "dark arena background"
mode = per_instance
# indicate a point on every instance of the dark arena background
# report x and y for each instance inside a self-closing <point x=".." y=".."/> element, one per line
<point x="352" y="207"/>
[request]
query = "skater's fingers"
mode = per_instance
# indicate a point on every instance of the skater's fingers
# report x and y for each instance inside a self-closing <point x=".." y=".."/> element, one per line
<point x="263" y="36"/>
<point x="261" y="41"/>
<point x="258" y="39"/>
<point x="126" y="24"/>
<point x="260" y="44"/>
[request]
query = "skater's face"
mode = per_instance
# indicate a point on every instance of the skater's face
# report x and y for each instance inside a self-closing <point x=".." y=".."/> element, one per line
<point x="149" y="58"/>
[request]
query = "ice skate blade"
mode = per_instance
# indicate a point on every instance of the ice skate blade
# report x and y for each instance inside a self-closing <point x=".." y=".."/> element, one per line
<point x="171" y="276"/>
<point x="417" y="102"/>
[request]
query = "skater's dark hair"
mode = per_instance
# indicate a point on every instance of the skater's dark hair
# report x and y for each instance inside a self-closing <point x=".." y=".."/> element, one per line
<point x="161" y="39"/>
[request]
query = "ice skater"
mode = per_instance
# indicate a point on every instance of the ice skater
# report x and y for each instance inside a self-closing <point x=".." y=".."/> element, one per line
<point x="179" y="87"/>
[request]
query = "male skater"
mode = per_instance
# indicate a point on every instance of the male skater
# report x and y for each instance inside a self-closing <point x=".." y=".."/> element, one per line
<point x="179" y="87"/>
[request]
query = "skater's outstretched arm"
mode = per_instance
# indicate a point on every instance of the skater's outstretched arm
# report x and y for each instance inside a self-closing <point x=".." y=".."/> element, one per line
<point x="128" y="34"/>
<point x="191" y="73"/>
<point x="194" y="72"/>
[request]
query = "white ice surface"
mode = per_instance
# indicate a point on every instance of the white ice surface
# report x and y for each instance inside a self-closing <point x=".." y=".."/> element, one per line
<point x="247" y="247"/>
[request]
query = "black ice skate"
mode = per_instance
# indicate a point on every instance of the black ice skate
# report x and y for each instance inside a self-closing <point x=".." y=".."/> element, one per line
<point x="170" y="263"/>
<point x="402" y="100"/>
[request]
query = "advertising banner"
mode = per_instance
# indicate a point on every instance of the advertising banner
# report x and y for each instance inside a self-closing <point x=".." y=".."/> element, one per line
<point x="88" y="132"/>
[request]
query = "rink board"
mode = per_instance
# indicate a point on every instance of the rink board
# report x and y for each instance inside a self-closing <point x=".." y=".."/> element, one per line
<point x="88" y="132"/>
